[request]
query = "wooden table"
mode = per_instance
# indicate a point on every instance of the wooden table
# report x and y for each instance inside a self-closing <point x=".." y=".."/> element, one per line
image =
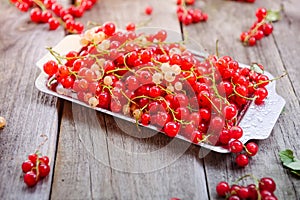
<point x="80" y="167"/>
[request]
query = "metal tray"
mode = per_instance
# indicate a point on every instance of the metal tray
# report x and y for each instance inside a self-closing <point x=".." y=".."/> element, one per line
<point x="257" y="122"/>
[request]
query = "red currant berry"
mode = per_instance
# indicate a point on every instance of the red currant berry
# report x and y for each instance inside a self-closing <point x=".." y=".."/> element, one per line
<point x="130" y="27"/>
<point x="33" y="158"/>
<point x="236" y="146"/>
<point x="236" y="132"/>
<point x="171" y="129"/>
<point x="27" y="166"/>
<point x="242" y="160"/>
<point x="109" y="28"/>
<point x="252" y="148"/>
<point x="261" y="13"/>
<point x="50" y="67"/>
<point x="222" y="188"/>
<point x="268" y="184"/>
<point x="53" y="23"/>
<point x="44" y="170"/>
<point x="30" y="179"/>
<point x="148" y="10"/>
<point x="44" y="159"/>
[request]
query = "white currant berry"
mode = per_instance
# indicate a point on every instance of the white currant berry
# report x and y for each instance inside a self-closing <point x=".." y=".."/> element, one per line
<point x="174" y="51"/>
<point x="165" y="67"/>
<point x="137" y="114"/>
<point x="178" y="86"/>
<point x="157" y="78"/>
<point x="2" y="122"/>
<point x="176" y="69"/>
<point x="104" y="45"/>
<point x="88" y="35"/>
<point x="98" y="37"/>
<point x="84" y="41"/>
<point x="126" y="109"/>
<point x="95" y="67"/>
<point x="93" y="102"/>
<point x="107" y="80"/>
<point x="169" y="76"/>
<point x="170" y="88"/>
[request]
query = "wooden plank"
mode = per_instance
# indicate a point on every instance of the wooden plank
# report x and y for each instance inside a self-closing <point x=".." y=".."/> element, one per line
<point x="278" y="53"/>
<point x="94" y="157"/>
<point x="29" y="113"/>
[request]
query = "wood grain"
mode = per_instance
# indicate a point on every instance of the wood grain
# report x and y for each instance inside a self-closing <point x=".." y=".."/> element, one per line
<point x="29" y="113"/>
<point x="227" y="20"/>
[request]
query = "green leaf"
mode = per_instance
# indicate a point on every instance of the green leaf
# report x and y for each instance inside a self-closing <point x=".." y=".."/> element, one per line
<point x="273" y="15"/>
<point x="286" y="156"/>
<point x="293" y="165"/>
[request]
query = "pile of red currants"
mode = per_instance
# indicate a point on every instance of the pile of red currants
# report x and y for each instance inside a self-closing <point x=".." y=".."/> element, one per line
<point x="53" y="13"/>
<point x="160" y="83"/>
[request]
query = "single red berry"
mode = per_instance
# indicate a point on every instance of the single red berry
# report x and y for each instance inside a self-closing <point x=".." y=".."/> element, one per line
<point x="171" y="129"/>
<point x="44" y="159"/>
<point x="50" y="67"/>
<point x="27" y="166"/>
<point x="148" y="10"/>
<point x="53" y="23"/>
<point x="252" y="41"/>
<point x="130" y="27"/>
<point x="242" y="160"/>
<point x="30" y="179"/>
<point x="33" y="158"/>
<point x="234" y="197"/>
<point x="261" y="13"/>
<point x="268" y="184"/>
<point x="236" y="132"/>
<point x="243" y="192"/>
<point x="252" y="148"/>
<point x="35" y="15"/>
<point x="44" y="170"/>
<point x="109" y="28"/>
<point x="222" y="188"/>
<point x="267" y="29"/>
<point x="236" y="146"/>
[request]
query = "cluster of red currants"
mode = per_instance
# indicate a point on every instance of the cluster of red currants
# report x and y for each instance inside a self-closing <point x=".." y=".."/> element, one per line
<point x="264" y="190"/>
<point x="261" y="28"/>
<point x="53" y="13"/>
<point x="159" y="83"/>
<point x="189" y="15"/>
<point x="35" y="168"/>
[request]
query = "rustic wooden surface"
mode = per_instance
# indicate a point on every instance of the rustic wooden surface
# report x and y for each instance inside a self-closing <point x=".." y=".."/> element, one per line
<point x="89" y="150"/>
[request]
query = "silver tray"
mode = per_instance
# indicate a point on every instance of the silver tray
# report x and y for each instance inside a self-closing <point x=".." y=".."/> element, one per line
<point x="257" y="122"/>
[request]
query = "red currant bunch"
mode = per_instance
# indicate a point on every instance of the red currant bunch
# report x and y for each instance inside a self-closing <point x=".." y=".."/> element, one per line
<point x="263" y="189"/>
<point x="53" y="13"/>
<point x="236" y="146"/>
<point x="159" y="83"/>
<point x="35" y="168"/>
<point x="189" y="15"/>
<point x="262" y="26"/>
